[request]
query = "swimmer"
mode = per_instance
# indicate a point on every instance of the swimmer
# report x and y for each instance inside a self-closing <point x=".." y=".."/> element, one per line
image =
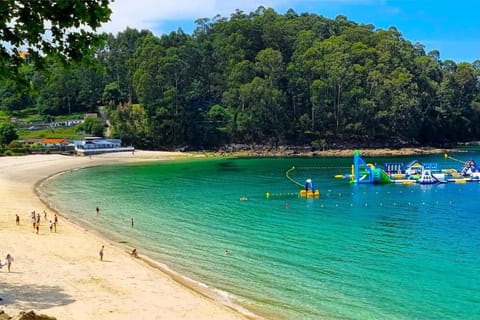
<point x="243" y="199"/>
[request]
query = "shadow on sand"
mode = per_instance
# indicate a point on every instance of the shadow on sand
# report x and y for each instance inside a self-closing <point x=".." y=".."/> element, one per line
<point x="33" y="297"/>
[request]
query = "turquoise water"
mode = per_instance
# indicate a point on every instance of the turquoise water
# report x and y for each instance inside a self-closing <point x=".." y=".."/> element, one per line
<point x="358" y="252"/>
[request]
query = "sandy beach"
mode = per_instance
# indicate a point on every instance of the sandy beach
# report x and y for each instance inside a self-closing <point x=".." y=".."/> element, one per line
<point x="60" y="274"/>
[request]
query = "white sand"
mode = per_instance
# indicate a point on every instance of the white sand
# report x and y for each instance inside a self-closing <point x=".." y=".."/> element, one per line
<point x="60" y="274"/>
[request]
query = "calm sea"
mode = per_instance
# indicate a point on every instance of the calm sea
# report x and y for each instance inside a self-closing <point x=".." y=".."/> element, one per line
<point x="357" y="252"/>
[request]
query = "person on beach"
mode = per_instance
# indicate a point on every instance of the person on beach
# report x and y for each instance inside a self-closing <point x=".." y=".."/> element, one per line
<point x="55" y="221"/>
<point x="37" y="226"/>
<point x="45" y="214"/>
<point x="17" y="219"/>
<point x="134" y="253"/>
<point x="132" y="222"/>
<point x="98" y="211"/>
<point x="38" y="218"/>
<point x="101" y="253"/>
<point x="7" y="262"/>
<point x="50" y="225"/>
<point x="34" y="220"/>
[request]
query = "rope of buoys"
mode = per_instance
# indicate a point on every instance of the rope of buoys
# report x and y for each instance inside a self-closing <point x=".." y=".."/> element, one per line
<point x="454" y="159"/>
<point x="269" y="195"/>
<point x="287" y="174"/>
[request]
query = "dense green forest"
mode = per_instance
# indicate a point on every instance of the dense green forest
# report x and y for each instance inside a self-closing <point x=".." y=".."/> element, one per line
<point x="263" y="78"/>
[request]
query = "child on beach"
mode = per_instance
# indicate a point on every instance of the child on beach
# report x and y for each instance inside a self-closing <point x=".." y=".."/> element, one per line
<point x="134" y="253"/>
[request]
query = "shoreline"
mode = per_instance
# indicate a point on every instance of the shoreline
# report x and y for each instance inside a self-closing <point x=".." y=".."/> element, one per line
<point x="60" y="274"/>
<point x="114" y="240"/>
<point x="44" y="259"/>
<point x="298" y="152"/>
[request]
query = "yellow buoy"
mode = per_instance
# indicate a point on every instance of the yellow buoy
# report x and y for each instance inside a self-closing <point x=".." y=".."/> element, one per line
<point x="309" y="193"/>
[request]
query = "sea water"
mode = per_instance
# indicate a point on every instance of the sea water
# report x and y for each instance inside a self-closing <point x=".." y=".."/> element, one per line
<point x="357" y="252"/>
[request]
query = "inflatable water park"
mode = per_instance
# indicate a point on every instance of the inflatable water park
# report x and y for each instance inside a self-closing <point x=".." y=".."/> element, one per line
<point x="410" y="173"/>
<point x="414" y="172"/>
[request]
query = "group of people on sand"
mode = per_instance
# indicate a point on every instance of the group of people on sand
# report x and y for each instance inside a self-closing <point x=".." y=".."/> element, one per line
<point x="35" y="217"/>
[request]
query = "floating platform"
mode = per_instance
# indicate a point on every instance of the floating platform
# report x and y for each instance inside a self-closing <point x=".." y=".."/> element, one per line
<point x="309" y="194"/>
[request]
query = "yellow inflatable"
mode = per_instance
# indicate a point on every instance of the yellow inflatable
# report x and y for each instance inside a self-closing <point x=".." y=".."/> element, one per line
<point x="309" y="194"/>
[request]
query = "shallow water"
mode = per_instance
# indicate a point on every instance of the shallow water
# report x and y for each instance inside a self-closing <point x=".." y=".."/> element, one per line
<point x="357" y="252"/>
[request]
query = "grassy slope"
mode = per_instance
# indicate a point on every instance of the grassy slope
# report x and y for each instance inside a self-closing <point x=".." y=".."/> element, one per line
<point x="66" y="133"/>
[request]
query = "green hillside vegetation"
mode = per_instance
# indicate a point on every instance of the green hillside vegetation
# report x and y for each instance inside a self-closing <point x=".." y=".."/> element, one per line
<point x="70" y="133"/>
<point x="262" y="78"/>
<point x="4" y="116"/>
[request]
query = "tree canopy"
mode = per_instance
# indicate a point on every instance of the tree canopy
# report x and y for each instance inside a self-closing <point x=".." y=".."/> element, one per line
<point x="265" y="78"/>
<point x="34" y="29"/>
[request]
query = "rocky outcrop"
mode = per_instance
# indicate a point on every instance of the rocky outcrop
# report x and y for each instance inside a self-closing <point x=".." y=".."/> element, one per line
<point x="4" y="316"/>
<point x="30" y="315"/>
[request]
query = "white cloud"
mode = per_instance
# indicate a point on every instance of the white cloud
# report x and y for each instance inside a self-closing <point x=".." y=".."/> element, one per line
<point x="151" y="14"/>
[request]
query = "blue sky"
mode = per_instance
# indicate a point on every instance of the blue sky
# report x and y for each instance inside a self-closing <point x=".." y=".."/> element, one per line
<point x="451" y="27"/>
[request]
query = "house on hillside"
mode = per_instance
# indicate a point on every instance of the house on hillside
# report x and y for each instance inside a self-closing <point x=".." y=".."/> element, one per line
<point x="90" y="115"/>
<point x="55" y="144"/>
<point x="97" y="145"/>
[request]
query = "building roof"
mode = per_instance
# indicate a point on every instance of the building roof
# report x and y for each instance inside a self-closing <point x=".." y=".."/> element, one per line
<point x="53" y="141"/>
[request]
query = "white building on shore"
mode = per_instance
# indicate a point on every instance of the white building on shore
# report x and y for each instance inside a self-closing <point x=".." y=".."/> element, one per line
<point x="97" y="145"/>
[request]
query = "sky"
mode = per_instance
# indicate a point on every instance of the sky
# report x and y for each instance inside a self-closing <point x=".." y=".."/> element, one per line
<point x="451" y="27"/>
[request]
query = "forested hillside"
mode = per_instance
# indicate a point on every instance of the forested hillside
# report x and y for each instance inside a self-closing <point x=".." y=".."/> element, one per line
<point x="265" y="78"/>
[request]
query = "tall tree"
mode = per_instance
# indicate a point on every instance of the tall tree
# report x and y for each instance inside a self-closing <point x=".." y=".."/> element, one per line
<point x="31" y="30"/>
